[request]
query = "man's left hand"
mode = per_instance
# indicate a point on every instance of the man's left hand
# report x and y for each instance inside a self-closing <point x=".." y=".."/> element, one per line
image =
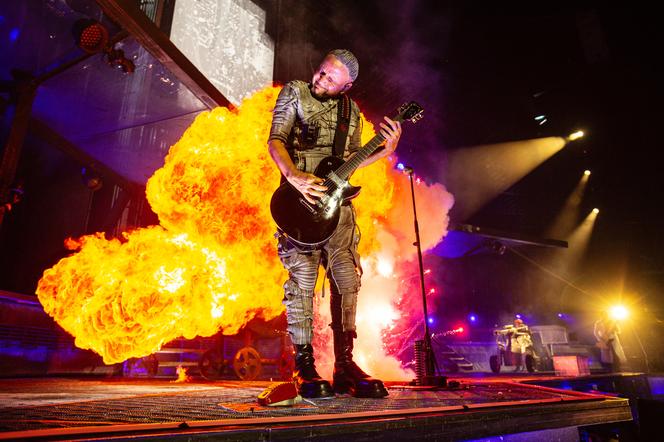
<point x="391" y="132"/>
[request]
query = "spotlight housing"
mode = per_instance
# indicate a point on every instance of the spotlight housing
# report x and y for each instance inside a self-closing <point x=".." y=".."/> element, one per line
<point x="90" y="35"/>
<point x="618" y="312"/>
<point x="575" y="135"/>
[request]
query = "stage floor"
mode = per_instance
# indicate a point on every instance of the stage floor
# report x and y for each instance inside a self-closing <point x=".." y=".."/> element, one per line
<point x="110" y="408"/>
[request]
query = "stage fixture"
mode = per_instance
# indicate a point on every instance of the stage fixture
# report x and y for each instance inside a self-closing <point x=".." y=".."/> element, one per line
<point x="426" y="366"/>
<point x="575" y="135"/>
<point x="92" y="37"/>
<point x="91" y="179"/>
<point x="619" y="312"/>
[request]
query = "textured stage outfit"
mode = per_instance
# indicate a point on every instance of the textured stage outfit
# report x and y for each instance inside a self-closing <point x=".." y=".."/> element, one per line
<point x="307" y="125"/>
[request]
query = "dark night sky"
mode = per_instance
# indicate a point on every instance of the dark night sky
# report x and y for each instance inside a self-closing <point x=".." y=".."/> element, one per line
<point x="484" y="73"/>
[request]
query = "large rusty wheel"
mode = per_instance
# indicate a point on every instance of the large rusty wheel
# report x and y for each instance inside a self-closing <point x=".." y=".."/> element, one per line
<point x="247" y="364"/>
<point x="211" y="365"/>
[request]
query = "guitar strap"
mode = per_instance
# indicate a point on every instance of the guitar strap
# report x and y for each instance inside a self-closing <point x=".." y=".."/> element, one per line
<point x="343" y="122"/>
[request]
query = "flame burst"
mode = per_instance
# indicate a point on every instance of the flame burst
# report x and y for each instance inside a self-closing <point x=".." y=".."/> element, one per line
<point x="211" y="264"/>
<point x="182" y="375"/>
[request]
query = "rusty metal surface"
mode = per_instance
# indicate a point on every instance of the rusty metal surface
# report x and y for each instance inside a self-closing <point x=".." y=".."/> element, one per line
<point x="28" y="404"/>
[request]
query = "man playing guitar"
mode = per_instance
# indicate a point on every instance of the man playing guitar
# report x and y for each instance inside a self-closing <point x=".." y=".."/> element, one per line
<point x="306" y="128"/>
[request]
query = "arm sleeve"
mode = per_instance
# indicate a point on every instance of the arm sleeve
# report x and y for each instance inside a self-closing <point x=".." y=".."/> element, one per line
<point x="284" y="113"/>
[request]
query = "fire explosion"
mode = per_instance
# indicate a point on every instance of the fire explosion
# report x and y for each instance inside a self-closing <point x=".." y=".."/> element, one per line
<point x="211" y="264"/>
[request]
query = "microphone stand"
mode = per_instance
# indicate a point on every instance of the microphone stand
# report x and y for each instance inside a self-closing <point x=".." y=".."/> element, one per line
<point x="431" y="369"/>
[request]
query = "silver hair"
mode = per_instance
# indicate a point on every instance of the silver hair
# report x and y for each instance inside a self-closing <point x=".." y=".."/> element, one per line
<point x="348" y="59"/>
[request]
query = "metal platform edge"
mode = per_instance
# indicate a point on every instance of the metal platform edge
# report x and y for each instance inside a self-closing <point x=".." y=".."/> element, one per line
<point x="440" y="423"/>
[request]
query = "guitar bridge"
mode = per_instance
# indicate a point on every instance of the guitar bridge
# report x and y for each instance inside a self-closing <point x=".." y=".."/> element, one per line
<point x="306" y="204"/>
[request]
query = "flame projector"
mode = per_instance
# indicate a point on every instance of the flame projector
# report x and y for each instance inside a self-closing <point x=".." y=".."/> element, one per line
<point x="211" y="264"/>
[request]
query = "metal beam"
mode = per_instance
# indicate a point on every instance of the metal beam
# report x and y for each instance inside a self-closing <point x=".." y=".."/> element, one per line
<point x="52" y="137"/>
<point x="128" y="15"/>
<point x="507" y="237"/>
<point x="26" y="90"/>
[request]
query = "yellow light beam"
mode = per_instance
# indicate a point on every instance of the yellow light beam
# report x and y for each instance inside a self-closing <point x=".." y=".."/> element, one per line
<point x="564" y="222"/>
<point x="476" y="175"/>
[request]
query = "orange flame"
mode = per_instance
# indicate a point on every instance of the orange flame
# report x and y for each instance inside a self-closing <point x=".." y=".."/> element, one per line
<point x="182" y="374"/>
<point x="212" y="263"/>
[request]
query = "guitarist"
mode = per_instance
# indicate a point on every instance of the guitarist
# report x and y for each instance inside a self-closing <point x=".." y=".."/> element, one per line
<point x="310" y="122"/>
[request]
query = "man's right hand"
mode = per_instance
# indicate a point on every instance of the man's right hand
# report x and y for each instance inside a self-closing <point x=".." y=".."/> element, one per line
<point x="308" y="184"/>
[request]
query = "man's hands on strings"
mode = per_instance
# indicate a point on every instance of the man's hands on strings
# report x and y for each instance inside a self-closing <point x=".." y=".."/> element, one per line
<point x="308" y="184"/>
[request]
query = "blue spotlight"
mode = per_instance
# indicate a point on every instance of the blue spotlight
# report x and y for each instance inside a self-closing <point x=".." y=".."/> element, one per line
<point x="472" y="318"/>
<point x="430" y="320"/>
<point x="13" y="34"/>
<point x="400" y="166"/>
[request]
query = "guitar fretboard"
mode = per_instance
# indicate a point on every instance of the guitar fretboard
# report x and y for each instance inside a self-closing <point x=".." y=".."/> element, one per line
<point x="347" y="169"/>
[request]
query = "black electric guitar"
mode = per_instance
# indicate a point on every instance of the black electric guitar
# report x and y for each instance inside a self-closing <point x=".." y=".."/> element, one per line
<point x="309" y="224"/>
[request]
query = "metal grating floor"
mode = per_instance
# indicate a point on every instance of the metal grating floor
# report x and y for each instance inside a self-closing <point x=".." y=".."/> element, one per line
<point x="58" y="403"/>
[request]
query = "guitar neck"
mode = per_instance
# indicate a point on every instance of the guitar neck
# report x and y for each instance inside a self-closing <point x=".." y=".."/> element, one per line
<point x="407" y="112"/>
<point x="347" y="169"/>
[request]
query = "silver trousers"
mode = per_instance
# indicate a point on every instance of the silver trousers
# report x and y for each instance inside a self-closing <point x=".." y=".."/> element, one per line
<point x="339" y="256"/>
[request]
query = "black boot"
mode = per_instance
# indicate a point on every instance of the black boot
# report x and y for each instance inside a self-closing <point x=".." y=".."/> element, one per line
<point x="348" y="377"/>
<point x="308" y="381"/>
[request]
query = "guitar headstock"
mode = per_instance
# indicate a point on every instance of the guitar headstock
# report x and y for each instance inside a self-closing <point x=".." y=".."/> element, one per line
<point x="409" y="112"/>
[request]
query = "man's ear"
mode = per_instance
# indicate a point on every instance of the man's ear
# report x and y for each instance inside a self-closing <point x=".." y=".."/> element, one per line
<point x="347" y="86"/>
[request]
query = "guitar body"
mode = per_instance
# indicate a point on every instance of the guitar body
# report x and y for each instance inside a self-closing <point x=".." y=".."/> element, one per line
<point x="309" y="224"/>
<point x="305" y="223"/>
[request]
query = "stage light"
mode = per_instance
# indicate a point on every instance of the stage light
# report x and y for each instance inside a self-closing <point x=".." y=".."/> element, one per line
<point x="91" y="179"/>
<point x="595" y="211"/>
<point x="586" y="173"/>
<point x="430" y="320"/>
<point x="90" y="35"/>
<point x="13" y="34"/>
<point x="540" y="117"/>
<point x="472" y="318"/>
<point x="400" y="166"/>
<point x="618" y="312"/>
<point x="575" y="135"/>
<point x="517" y="316"/>
<point x="560" y="315"/>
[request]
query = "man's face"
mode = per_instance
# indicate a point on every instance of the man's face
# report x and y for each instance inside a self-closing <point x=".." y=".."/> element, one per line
<point x="330" y="79"/>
